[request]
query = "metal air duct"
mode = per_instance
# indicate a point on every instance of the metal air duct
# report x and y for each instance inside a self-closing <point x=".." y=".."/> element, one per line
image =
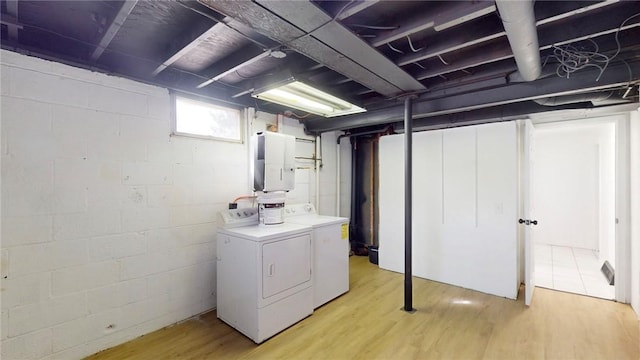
<point x="520" y="25"/>
<point x="573" y="99"/>
<point x="596" y="98"/>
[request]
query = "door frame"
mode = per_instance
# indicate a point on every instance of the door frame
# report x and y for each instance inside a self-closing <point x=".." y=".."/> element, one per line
<point x="622" y="206"/>
<point x="623" y="209"/>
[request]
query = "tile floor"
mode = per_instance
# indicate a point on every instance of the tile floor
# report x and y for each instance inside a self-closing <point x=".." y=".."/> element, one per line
<point x="572" y="270"/>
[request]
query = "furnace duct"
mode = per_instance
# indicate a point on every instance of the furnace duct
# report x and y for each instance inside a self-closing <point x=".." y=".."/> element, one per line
<point x="519" y="23"/>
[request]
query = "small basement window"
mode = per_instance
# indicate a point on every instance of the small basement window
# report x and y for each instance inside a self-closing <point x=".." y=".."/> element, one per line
<point x="205" y="120"/>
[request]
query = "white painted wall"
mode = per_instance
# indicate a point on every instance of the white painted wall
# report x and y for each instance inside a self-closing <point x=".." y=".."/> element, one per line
<point x="635" y="210"/>
<point x="465" y="202"/>
<point x="108" y="223"/>
<point x="574" y="185"/>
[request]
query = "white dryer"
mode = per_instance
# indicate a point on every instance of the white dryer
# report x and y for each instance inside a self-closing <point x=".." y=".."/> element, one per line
<point x="330" y="239"/>
<point x="264" y="282"/>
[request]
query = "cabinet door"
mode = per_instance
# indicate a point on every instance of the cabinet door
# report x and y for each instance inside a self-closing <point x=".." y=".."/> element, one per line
<point x="286" y="264"/>
<point x="274" y="177"/>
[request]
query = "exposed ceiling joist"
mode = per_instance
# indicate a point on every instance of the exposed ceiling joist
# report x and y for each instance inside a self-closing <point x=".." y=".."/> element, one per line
<point x="604" y="25"/>
<point x="185" y="49"/>
<point x="240" y="28"/>
<point x="250" y="57"/>
<point x="412" y="26"/>
<point x="12" y="27"/>
<point x="458" y="13"/>
<point x="11" y="22"/>
<point x="608" y="24"/>
<point x="461" y="14"/>
<point x="492" y="53"/>
<point x="573" y="10"/>
<point x="450" y="44"/>
<point x="354" y="8"/>
<point x="583" y="81"/>
<point x="113" y="29"/>
<point x="484" y="34"/>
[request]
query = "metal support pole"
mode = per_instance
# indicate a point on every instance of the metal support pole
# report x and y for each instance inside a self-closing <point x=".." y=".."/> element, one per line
<point x="408" y="151"/>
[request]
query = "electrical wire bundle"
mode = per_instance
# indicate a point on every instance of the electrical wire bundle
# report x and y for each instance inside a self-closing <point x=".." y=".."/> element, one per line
<point x="572" y="58"/>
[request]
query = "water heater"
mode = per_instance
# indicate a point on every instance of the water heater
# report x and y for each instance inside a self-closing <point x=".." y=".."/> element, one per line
<point x="274" y="162"/>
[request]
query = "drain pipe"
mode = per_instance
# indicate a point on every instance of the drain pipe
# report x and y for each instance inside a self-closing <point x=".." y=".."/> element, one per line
<point x="338" y="165"/>
<point x="353" y="219"/>
<point x="318" y="164"/>
<point x="519" y="23"/>
<point x="338" y="195"/>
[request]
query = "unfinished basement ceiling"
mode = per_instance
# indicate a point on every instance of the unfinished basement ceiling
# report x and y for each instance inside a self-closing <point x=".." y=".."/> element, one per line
<point x="453" y="56"/>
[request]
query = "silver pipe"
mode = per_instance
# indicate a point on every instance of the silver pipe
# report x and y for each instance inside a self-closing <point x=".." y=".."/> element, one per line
<point x="317" y="164"/>
<point x="519" y="23"/>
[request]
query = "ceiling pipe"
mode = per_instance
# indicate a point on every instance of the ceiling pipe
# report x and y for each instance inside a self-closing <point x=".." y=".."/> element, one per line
<point x="520" y="25"/>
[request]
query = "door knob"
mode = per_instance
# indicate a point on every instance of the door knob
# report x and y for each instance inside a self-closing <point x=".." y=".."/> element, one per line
<point x="528" y="222"/>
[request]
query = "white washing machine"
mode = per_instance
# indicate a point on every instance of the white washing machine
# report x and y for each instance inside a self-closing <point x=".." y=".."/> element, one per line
<point x="264" y="281"/>
<point x="330" y="238"/>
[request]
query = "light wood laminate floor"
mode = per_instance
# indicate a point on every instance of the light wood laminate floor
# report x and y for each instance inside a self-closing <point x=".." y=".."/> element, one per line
<point x="451" y="323"/>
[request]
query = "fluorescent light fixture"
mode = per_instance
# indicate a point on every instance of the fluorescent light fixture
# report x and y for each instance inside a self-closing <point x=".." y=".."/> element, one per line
<point x="303" y="97"/>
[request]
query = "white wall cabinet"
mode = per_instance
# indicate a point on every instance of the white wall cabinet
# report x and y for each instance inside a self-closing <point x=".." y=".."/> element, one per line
<point x="274" y="162"/>
<point x="465" y="206"/>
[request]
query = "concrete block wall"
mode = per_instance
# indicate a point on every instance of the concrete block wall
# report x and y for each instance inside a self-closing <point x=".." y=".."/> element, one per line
<point x="108" y="223"/>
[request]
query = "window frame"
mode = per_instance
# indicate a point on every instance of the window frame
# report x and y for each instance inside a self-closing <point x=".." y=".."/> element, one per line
<point x="209" y="102"/>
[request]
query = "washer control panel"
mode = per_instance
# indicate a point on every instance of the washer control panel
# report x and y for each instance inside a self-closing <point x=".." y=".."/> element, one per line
<point x="238" y="217"/>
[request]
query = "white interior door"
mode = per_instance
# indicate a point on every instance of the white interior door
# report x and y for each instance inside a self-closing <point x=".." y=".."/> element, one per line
<point x="529" y="248"/>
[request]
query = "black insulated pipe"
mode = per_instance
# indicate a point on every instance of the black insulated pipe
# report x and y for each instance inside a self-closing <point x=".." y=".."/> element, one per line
<point x="352" y="222"/>
<point x="408" y="151"/>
